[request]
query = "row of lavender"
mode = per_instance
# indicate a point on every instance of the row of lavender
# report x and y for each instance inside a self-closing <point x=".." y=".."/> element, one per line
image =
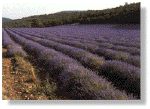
<point x="121" y="74"/>
<point x="105" y="33"/>
<point x="83" y="43"/>
<point x="75" y="80"/>
<point x="109" y="51"/>
<point x="13" y="49"/>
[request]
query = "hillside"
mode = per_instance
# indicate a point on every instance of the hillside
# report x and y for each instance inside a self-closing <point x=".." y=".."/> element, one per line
<point x="5" y="19"/>
<point x="68" y="11"/>
<point x="127" y="14"/>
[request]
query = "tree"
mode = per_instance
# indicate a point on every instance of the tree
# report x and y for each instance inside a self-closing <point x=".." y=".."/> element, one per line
<point x="36" y="23"/>
<point x="126" y="3"/>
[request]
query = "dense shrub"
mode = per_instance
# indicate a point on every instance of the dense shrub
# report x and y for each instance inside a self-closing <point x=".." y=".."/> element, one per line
<point x="36" y="23"/>
<point x="16" y="50"/>
<point x="131" y="50"/>
<point x="13" y="48"/>
<point x="85" y="57"/>
<point x="75" y="81"/>
<point x="110" y="54"/>
<point x="123" y="75"/>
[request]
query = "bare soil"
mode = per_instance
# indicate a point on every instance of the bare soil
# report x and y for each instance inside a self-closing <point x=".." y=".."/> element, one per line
<point x="19" y="81"/>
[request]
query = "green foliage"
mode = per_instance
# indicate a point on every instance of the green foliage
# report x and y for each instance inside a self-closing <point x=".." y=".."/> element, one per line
<point x="36" y="23"/>
<point x="127" y="14"/>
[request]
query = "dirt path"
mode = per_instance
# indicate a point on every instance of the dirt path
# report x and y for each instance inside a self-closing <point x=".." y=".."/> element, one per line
<point x="18" y="84"/>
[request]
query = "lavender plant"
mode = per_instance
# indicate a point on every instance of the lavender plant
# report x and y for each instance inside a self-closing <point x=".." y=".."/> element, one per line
<point x="75" y="81"/>
<point x="131" y="50"/>
<point x="13" y="48"/>
<point x="110" y="54"/>
<point x="122" y="75"/>
<point x="85" y="57"/>
<point x="114" y="45"/>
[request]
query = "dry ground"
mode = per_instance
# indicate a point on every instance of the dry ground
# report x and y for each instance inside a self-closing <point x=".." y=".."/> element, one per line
<point x="19" y="81"/>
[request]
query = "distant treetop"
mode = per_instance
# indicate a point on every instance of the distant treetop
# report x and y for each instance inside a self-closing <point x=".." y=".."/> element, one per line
<point x="127" y="14"/>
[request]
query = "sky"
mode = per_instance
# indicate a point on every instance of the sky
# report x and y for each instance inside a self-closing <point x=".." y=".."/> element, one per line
<point x="17" y="9"/>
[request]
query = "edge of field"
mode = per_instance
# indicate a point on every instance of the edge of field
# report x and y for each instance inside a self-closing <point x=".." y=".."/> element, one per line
<point x="20" y="80"/>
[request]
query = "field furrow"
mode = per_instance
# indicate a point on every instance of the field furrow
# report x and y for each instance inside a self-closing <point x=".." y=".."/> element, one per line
<point x="118" y="77"/>
<point x="75" y="81"/>
<point x="106" y="50"/>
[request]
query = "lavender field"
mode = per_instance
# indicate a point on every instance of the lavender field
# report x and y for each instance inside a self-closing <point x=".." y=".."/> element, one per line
<point x="89" y="62"/>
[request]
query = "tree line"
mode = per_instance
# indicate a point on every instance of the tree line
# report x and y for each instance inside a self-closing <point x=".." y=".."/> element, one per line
<point x="127" y="14"/>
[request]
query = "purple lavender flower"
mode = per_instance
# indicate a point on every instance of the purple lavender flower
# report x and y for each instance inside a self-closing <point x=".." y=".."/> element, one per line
<point x="74" y="80"/>
<point x="13" y="48"/>
<point x="122" y="75"/>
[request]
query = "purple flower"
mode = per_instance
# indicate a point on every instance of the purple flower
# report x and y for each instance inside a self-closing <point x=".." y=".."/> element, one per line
<point x="13" y="48"/>
<point x="74" y="80"/>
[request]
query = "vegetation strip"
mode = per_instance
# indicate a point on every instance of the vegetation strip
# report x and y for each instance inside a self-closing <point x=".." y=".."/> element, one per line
<point x="96" y="66"/>
<point x="74" y="79"/>
<point x="13" y="48"/>
<point x="109" y="54"/>
<point x="127" y="14"/>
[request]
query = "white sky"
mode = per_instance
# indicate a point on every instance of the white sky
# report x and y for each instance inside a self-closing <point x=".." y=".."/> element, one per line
<point x="16" y="9"/>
